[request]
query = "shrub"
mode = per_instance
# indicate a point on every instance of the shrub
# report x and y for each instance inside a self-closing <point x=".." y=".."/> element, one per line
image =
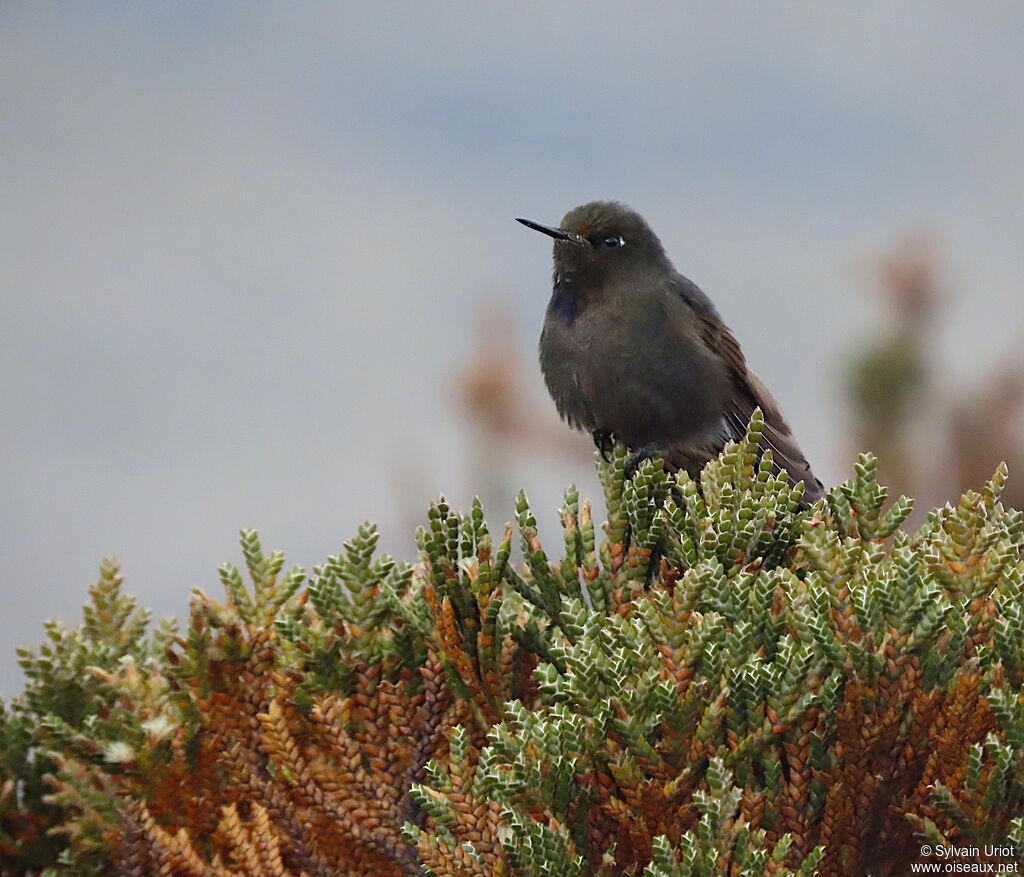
<point x="729" y="683"/>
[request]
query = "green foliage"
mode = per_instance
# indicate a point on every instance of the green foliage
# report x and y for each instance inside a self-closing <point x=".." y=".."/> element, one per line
<point x="718" y="838"/>
<point x="775" y="611"/>
<point x="70" y="719"/>
<point x="684" y="696"/>
<point x="358" y="607"/>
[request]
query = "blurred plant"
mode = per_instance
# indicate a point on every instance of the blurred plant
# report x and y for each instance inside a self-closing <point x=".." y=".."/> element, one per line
<point x="891" y="380"/>
<point x="929" y="444"/>
<point x="985" y="426"/>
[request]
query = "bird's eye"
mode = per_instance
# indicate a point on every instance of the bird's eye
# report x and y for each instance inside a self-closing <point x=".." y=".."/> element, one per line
<point x="611" y="241"/>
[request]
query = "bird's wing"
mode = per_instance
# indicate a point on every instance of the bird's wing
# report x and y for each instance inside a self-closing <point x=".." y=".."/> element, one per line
<point x="750" y="393"/>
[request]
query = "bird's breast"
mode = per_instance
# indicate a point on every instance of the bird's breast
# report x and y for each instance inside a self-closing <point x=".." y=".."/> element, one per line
<point x="635" y="372"/>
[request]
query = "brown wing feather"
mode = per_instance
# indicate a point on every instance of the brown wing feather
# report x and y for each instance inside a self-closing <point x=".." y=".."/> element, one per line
<point x="750" y="393"/>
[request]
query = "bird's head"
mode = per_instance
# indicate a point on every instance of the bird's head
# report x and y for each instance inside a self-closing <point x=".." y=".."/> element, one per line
<point x="600" y="240"/>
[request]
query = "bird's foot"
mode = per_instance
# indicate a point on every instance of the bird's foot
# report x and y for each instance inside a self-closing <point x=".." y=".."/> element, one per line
<point x="646" y="452"/>
<point x="603" y="441"/>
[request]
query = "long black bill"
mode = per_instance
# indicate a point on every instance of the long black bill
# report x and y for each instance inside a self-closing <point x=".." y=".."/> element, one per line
<point x="557" y="233"/>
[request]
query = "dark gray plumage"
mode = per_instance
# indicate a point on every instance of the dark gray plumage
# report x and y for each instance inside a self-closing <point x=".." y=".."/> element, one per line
<point x="633" y="350"/>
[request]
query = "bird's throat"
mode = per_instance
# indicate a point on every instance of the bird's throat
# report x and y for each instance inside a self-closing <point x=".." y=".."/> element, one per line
<point x="565" y="300"/>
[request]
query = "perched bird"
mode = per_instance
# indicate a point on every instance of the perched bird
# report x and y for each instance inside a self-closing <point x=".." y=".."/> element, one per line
<point x="632" y="350"/>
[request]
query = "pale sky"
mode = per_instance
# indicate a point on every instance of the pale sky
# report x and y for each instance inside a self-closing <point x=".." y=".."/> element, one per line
<point x="242" y="245"/>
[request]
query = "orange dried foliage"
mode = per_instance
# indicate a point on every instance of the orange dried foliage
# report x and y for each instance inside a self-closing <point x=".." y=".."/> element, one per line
<point x="270" y="790"/>
<point x="267" y="788"/>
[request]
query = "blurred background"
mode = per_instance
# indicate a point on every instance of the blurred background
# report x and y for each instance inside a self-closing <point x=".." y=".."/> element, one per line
<point x="258" y="264"/>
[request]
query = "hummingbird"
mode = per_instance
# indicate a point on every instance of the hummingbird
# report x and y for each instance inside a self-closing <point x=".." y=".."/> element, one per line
<point x="633" y="351"/>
